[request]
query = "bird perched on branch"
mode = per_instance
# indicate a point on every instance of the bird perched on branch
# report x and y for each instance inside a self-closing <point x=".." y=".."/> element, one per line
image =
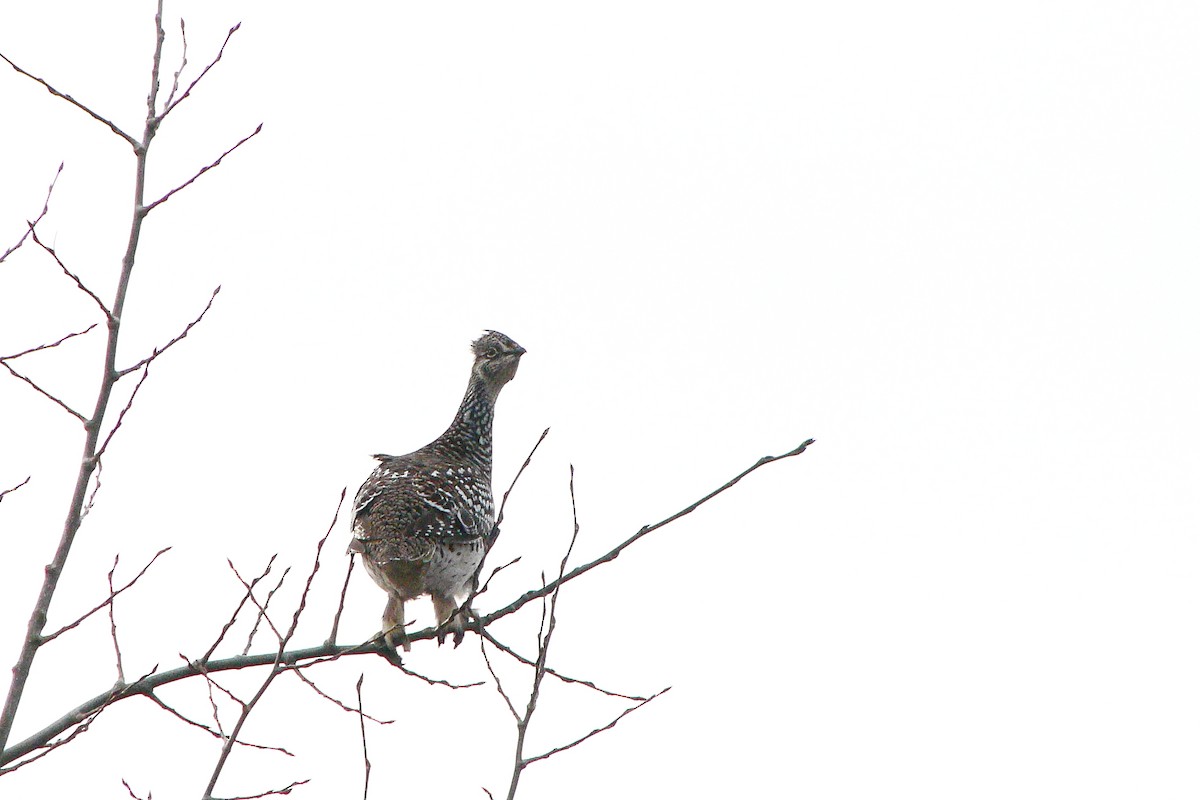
<point x="421" y="520"/>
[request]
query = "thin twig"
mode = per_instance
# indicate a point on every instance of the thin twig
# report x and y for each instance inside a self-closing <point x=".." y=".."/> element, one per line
<point x="262" y="612"/>
<point x="182" y="65"/>
<point x="171" y="103"/>
<point x="137" y="387"/>
<point x="158" y="351"/>
<point x="112" y="620"/>
<point x="587" y="736"/>
<point x="269" y="793"/>
<point x="13" y="489"/>
<point x="210" y="731"/>
<point x="337" y="616"/>
<point x="75" y="278"/>
<point x="30" y="224"/>
<point x="133" y="142"/>
<point x="203" y="170"/>
<point x="499" y="645"/>
<point x="41" y="347"/>
<point x="233" y="618"/>
<point x="108" y="600"/>
<point x="491" y="540"/>
<point x="362" y="728"/>
<point x="44" y="393"/>
<point x="612" y="554"/>
<point x="128" y="788"/>
<point x="298" y="672"/>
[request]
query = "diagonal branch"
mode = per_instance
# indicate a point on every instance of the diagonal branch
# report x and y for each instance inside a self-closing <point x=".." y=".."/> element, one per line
<point x="108" y="600"/>
<point x="121" y="417"/>
<point x="134" y="143"/>
<point x="499" y="645"/>
<point x="211" y="731"/>
<point x="158" y="351"/>
<point x="78" y="283"/>
<point x="41" y="215"/>
<point x="171" y="102"/>
<point x="148" y="208"/>
<point x="44" y="393"/>
<point x="40" y="347"/>
<point x="14" y="488"/>
<point x="609" y="726"/>
<point x="611" y="555"/>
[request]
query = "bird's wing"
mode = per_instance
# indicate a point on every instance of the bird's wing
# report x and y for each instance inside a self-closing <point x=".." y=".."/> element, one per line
<point x="405" y="507"/>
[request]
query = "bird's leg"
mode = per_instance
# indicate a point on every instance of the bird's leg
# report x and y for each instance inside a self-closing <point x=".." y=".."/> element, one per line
<point x="393" y="623"/>
<point x="450" y="618"/>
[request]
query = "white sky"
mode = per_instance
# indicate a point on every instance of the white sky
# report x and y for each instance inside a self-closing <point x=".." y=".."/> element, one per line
<point x="955" y="243"/>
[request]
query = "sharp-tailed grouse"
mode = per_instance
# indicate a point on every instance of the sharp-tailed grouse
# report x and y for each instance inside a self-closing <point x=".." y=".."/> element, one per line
<point x="421" y="520"/>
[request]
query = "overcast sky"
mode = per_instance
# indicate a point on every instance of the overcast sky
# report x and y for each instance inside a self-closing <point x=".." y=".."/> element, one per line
<point x="955" y="243"/>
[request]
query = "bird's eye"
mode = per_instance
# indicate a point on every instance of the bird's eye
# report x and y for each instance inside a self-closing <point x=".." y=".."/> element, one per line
<point x="491" y="352"/>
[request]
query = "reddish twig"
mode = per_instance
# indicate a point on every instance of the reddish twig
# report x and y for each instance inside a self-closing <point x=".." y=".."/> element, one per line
<point x="362" y="729"/>
<point x="337" y="616"/>
<point x="14" y="488"/>
<point x="158" y="351"/>
<point x="203" y="170"/>
<point x="309" y="682"/>
<point x="587" y="736"/>
<point x="41" y="215"/>
<point x="44" y="393"/>
<point x="41" y="347"/>
<point x="210" y="731"/>
<point x="133" y="142"/>
<point x="171" y="102"/>
<point x="112" y="595"/>
<point x="75" y="278"/>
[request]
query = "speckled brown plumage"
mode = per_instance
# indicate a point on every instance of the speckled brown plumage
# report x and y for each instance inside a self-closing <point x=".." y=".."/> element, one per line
<point x="421" y="520"/>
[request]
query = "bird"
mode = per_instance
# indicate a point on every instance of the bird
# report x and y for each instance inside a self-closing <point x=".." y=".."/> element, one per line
<point x="422" y="521"/>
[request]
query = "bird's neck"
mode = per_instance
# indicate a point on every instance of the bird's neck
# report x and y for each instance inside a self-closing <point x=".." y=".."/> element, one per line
<point x="470" y="434"/>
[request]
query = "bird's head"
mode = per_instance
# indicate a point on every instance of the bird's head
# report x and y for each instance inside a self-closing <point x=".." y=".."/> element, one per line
<point x="496" y="359"/>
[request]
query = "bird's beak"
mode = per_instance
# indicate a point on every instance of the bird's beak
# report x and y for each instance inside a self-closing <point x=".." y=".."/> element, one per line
<point x="520" y="351"/>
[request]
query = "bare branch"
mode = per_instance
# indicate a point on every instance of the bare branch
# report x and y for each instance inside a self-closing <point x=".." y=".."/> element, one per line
<point x="203" y="170"/>
<point x="137" y="387"/>
<point x="41" y="347"/>
<point x="499" y="686"/>
<point x="132" y="142"/>
<point x="262" y="611"/>
<point x="495" y="572"/>
<point x="112" y="619"/>
<point x="78" y="283"/>
<point x="112" y="595"/>
<point x="269" y="793"/>
<point x="158" y="351"/>
<point x="13" y="489"/>
<point x="316" y="566"/>
<point x="362" y="728"/>
<point x="308" y="681"/>
<point x="233" y="618"/>
<point x="182" y="65"/>
<point x="128" y="788"/>
<point x="337" y="616"/>
<point x="587" y="736"/>
<point x="504" y="500"/>
<point x="41" y="215"/>
<point x="44" y="393"/>
<point x="612" y="554"/>
<point x="170" y="105"/>
<point x="210" y="731"/>
<point x="499" y="645"/>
